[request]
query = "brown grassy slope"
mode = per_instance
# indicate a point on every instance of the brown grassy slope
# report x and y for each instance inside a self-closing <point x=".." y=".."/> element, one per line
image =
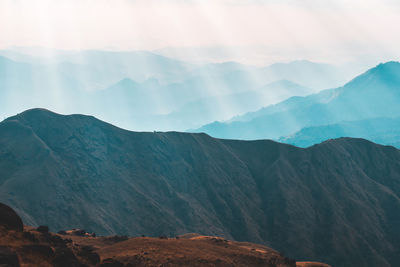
<point x="47" y="249"/>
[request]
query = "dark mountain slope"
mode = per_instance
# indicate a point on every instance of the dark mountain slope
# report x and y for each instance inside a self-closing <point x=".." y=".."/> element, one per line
<point x="337" y="202"/>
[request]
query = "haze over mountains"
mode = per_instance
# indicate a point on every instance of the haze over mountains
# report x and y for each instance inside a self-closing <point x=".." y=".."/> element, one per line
<point x="374" y="94"/>
<point x="379" y="130"/>
<point x="337" y="202"/>
<point x="144" y="91"/>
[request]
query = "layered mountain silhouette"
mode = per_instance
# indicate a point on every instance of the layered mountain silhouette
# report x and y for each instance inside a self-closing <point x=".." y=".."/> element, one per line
<point x="150" y="106"/>
<point x="141" y="90"/>
<point x="373" y="94"/>
<point x="337" y="202"/>
<point x="384" y="131"/>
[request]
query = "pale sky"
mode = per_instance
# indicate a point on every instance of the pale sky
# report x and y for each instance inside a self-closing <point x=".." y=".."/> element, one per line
<point x="264" y="30"/>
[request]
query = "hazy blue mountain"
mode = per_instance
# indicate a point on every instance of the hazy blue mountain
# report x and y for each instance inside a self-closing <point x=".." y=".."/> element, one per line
<point x="142" y="65"/>
<point x="317" y="76"/>
<point x="23" y="85"/>
<point x="311" y="74"/>
<point x="198" y="112"/>
<point x="336" y="202"/>
<point x="149" y="105"/>
<point x="384" y="131"/>
<point x="373" y="94"/>
<point x="314" y="75"/>
<point x="110" y="65"/>
<point x="144" y="91"/>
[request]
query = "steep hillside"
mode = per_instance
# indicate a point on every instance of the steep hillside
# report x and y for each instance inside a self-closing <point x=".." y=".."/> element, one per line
<point x="337" y="202"/>
<point x="384" y="131"/>
<point x="373" y="94"/>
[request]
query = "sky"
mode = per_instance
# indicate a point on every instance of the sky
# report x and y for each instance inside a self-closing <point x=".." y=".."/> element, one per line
<point x="249" y="31"/>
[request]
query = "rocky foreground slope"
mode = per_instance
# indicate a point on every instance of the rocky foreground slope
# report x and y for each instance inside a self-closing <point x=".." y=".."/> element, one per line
<point x="337" y="202"/>
<point x="28" y="246"/>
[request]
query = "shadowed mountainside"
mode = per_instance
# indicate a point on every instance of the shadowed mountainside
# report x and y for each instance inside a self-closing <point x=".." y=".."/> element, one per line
<point x="337" y="202"/>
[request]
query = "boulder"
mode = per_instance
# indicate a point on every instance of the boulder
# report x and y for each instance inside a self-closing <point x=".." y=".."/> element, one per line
<point x="43" y="229"/>
<point x="8" y="257"/>
<point x="42" y="251"/>
<point x="87" y="253"/>
<point x="111" y="263"/>
<point x="9" y="219"/>
<point x="64" y="257"/>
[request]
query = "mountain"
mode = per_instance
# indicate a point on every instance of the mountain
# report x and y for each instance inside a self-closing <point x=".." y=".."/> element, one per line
<point x="312" y="74"/>
<point x="24" y="85"/>
<point x="103" y="65"/>
<point x="336" y="202"/>
<point x="139" y="90"/>
<point x="36" y="247"/>
<point x="371" y="95"/>
<point x="384" y="131"/>
<point x="179" y="106"/>
<point x="195" y="113"/>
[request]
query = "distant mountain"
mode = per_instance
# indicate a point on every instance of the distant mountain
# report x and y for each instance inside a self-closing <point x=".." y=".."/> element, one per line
<point x="337" y="202"/>
<point x="384" y="131"/>
<point x="200" y="111"/>
<point x="104" y="65"/>
<point x="23" y="85"/>
<point x="136" y="88"/>
<point x="376" y="93"/>
<point x="314" y="75"/>
<point x="179" y="106"/>
<point x="317" y="76"/>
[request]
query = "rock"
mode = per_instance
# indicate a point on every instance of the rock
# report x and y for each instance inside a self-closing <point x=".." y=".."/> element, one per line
<point x="87" y="253"/>
<point x="43" y="229"/>
<point x="8" y="258"/>
<point x="64" y="257"/>
<point x="42" y="251"/>
<point x="9" y="219"/>
<point x="90" y="234"/>
<point x="29" y="236"/>
<point x="77" y="232"/>
<point x="111" y="263"/>
<point x="115" y="239"/>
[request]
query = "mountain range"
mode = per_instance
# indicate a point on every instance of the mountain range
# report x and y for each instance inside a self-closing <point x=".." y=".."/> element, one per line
<point x="142" y="90"/>
<point x="374" y="94"/>
<point x="336" y="202"/>
<point x="181" y="106"/>
<point x="385" y="131"/>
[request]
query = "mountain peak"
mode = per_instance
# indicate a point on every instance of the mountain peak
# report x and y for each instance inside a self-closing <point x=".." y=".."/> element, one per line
<point x="41" y="117"/>
<point x="383" y="73"/>
<point x="127" y="82"/>
<point x="388" y="68"/>
<point x="34" y="112"/>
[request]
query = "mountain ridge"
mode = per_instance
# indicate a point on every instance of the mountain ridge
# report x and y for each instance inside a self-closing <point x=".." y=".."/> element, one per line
<point x="337" y="202"/>
<point x="384" y="131"/>
<point x="372" y="94"/>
